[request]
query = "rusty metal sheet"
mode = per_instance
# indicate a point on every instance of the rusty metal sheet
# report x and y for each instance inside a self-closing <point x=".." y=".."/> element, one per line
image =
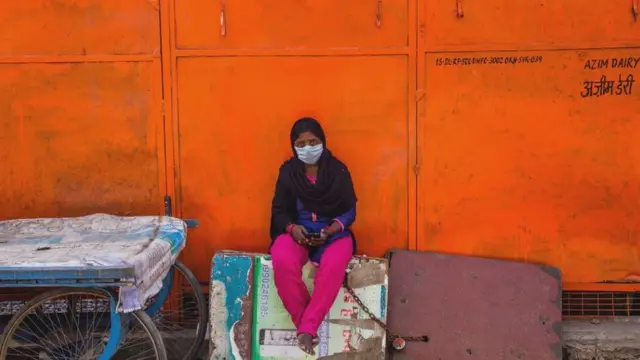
<point x="474" y="308"/>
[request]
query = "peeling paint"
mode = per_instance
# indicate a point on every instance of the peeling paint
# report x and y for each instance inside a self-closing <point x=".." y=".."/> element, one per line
<point x="217" y="320"/>
<point x="235" y="351"/>
<point x="231" y="288"/>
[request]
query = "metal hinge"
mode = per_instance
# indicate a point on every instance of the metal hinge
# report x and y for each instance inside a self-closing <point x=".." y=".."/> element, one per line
<point x="459" y="9"/>
<point x="168" y="208"/>
<point x="168" y="211"/>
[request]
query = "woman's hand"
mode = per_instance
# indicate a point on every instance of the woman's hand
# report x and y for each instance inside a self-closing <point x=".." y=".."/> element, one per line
<point x="324" y="235"/>
<point x="298" y="233"/>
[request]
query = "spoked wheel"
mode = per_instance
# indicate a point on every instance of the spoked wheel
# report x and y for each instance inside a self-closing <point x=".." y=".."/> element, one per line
<point x="179" y="311"/>
<point x="79" y="324"/>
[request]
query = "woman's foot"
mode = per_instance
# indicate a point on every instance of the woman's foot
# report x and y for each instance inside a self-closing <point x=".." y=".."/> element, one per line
<point x="306" y="342"/>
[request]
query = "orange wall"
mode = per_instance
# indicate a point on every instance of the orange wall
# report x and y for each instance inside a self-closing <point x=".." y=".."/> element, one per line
<point x="81" y="126"/>
<point x="449" y="151"/>
<point x="240" y="84"/>
<point x="514" y="162"/>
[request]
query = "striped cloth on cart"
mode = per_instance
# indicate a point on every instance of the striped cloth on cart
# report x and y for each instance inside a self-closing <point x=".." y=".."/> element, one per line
<point x="147" y="244"/>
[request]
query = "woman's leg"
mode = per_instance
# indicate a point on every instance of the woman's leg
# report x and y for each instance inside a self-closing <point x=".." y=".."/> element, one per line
<point x="327" y="284"/>
<point x="288" y="259"/>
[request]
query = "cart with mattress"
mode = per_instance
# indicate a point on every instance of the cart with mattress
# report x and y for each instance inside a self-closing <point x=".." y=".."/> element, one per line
<point x="101" y="287"/>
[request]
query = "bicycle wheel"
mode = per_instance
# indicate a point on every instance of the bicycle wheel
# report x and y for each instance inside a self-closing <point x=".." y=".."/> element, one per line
<point x="79" y="324"/>
<point x="181" y="319"/>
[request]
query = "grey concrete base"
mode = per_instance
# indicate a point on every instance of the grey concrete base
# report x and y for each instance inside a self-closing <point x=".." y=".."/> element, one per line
<point x="588" y="339"/>
<point x="602" y="339"/>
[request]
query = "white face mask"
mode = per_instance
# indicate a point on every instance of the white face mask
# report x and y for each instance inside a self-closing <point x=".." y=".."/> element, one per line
<point x="310" y="154"/>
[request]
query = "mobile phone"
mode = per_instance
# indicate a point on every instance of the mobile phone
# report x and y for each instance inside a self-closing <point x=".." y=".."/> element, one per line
<point x="312" y="236"/>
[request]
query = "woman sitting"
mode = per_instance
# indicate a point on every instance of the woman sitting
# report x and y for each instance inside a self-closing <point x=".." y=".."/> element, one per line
<point x="312" y="210"/>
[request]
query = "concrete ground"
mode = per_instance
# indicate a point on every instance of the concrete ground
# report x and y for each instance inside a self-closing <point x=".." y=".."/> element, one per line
<point x="589" y="339"/>
<point x="602" y="339"/>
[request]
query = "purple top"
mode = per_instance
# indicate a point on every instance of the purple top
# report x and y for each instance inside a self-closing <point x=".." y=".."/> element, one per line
<point x="314" y="223"/>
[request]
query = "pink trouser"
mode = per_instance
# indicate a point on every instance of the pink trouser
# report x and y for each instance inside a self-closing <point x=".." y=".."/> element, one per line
<point x="308" y="311"/>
